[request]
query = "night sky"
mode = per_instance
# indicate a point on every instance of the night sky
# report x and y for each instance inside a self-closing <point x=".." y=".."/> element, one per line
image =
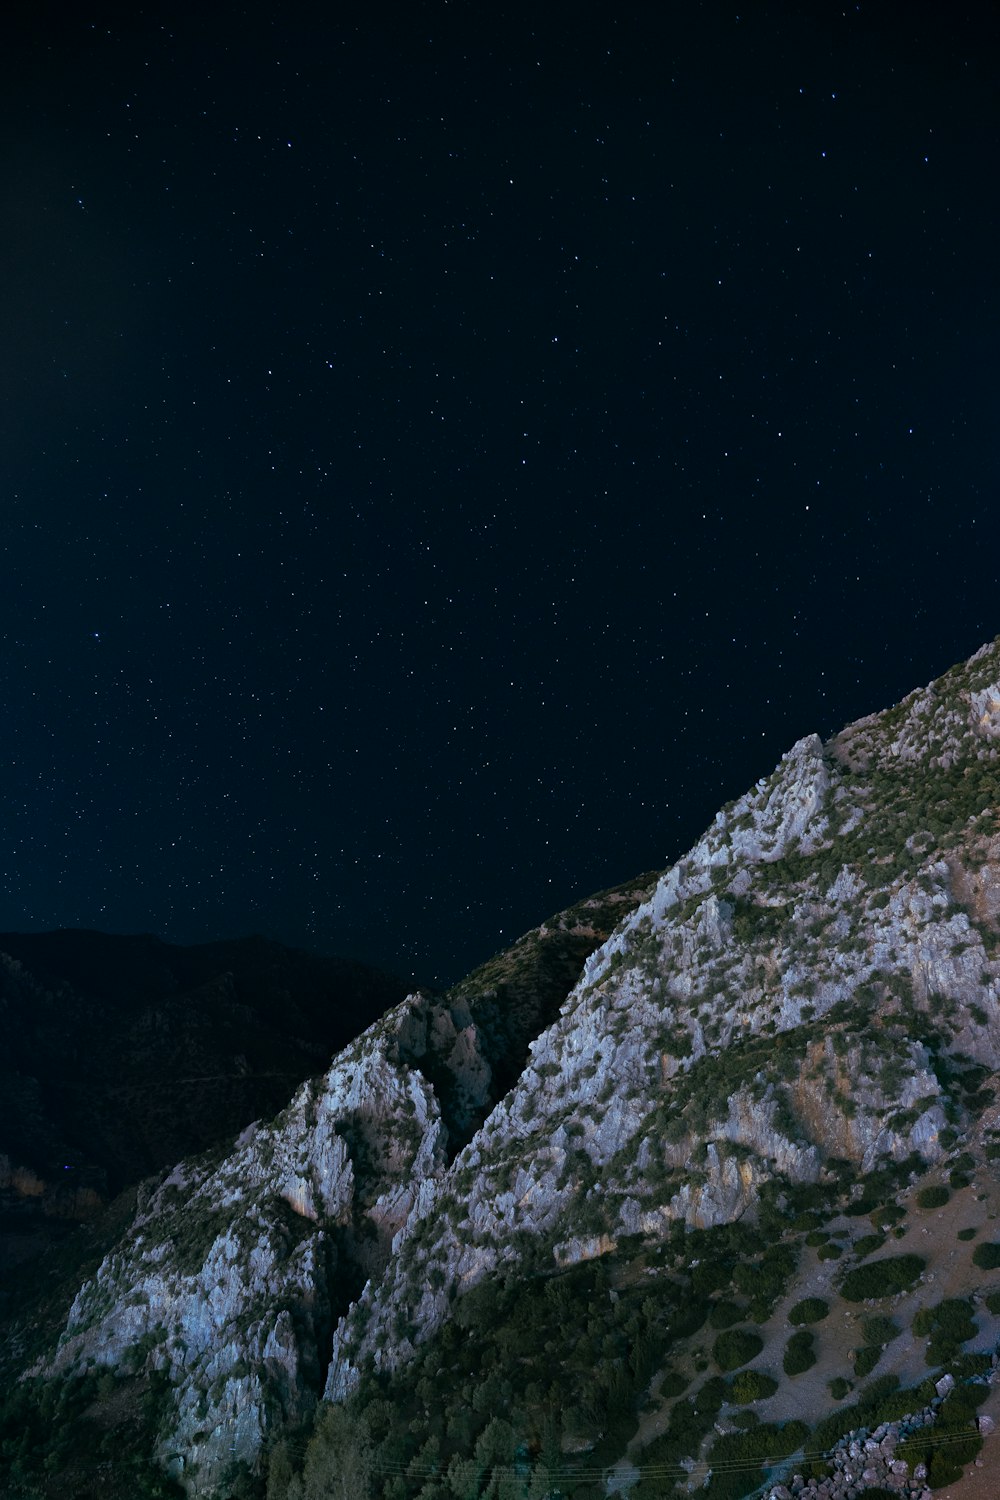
<point x="448" y="451"/>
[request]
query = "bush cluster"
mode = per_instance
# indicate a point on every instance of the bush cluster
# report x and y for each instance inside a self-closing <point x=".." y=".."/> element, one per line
<point x="738" y="1459"/>
<point x="950" y="1324"/>
<point x="525" y="1365"/>
<point x="752" y="1385"/>
<point x="735" y="1347"/>
<point x="810" y="1310"/>
<point x="53" y="1428"/>
<point x="952" y="1442"/>
<point x="882" y="1278"/>
<point x="800" y="1353"/>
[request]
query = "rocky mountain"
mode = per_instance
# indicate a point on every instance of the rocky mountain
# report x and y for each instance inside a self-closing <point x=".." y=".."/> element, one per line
<point x="122" y="1054"/>
<point x="635" y="1207"/>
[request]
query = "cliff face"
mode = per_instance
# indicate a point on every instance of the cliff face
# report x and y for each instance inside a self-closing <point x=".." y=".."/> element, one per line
<point x="810" y="993"/>
<point x="236" y="1266"/>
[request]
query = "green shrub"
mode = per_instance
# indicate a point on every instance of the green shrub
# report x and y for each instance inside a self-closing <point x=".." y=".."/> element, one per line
<point x="866" y="1359"/>
<point x="878" y="1403"/>
<point x="950" y="1324"/>
<point x="737" y="1458"/>
<point x="800" y="1353"/>
<point x="673" y="1384"/>
<point x="935" y="1196"/>
<point x="829" y="1252"/>
<point x="752" y="1385"/>
<point x="759" y="1309"/>
<point x="951" y="1443"/>
<point x="725" y="1315"/>
<point x="967" y="1234"/>
<point x="987" y="1255"/>
<point x="868" y="1244"/>
<point x="882" y="1278"/>
<point x="993" y="1302"/>
<point x="966" y="1366"/>
<point x="923" y="1322"/>
<point x="879" y="1330"/>
<point x="886" y="1213"/>
<point x="768" y="1276"/>
<point x="839" y="1387"/>
<point x="811" y="1310"/>
<point x="735" y="1347"/>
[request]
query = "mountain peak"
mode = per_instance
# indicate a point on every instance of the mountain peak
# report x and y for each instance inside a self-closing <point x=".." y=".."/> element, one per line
<point x="795" y="1026"/>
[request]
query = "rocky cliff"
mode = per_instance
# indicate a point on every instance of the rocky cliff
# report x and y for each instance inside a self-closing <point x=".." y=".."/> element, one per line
<point x="803" y="1009"/>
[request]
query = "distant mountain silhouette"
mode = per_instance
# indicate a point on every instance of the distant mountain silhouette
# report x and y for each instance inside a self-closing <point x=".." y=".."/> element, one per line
<point x="121" y="1054"/>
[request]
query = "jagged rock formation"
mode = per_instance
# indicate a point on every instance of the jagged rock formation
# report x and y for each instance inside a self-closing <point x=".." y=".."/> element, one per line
<point x="232" y="1269"/>
<point x="811" y="993"/>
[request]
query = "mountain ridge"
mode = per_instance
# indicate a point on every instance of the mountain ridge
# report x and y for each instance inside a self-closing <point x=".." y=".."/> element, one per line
<point x="801" y="1017"/>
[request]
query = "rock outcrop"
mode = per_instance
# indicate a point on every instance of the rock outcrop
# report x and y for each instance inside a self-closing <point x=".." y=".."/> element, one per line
<point x="797" y="997"/>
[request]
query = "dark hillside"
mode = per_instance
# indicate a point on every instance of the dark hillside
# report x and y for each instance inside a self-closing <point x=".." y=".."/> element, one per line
<point x="123" y="1054"/>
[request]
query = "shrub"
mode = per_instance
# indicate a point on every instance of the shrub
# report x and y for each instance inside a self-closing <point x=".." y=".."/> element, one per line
<point x="950" y="1324"/>
<point x="725" y="1315"/>
<point x="735" y="1347"/>
<point x="866" y="1359"/>
<point x="737" y="1457"/>
<point x="839" y="1387"/>
<point x="883" y="1278"/>
<point x="877" y="1404"/>
<point x="993" y="1302"/>
<point x="752" y="1385"/>
<point x="967" y="1234"/>
<point x="965" y="1366"/>
<point x="933" y="1197"/>
<point x="987" y="1255"/>
<point x="867" y="1244"/>
<point x="879" y="1330"/>
<point x="951" y="1443"/>
<point x="811" y="1310"/>
<point x="673" y="1384"/>
<point x="759" y="1309"/>
<point x="800" y="1353"/>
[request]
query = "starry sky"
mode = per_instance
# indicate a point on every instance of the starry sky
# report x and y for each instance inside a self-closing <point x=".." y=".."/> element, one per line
<point x="448" y="450"/>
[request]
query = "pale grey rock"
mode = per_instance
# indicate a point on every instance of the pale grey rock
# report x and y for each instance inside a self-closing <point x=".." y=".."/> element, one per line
<point x="779" y="914"/>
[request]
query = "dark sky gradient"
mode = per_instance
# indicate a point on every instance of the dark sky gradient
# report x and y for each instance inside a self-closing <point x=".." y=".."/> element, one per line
<point x="447" y="454"/>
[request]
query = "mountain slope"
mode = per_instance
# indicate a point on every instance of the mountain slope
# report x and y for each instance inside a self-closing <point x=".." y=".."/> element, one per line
<point x="794" y="1026"/>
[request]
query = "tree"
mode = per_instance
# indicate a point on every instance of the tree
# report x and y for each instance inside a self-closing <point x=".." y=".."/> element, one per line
<point x="280" y="1474"/>
<point x="338" y="1462"/>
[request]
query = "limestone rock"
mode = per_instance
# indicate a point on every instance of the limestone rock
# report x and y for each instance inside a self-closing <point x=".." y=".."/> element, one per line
<point x="773" y="1008"/>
